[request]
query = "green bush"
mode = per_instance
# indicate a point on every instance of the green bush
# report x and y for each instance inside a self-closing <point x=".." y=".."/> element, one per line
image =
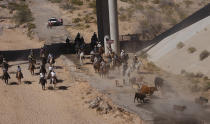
<point x="204" y="55"/>
<point x="191" y="49"/>
<point x="76" y="20"/>
<point x="77" y="2"/>
<point x="180" y="45"/>
<point x="55" y="1"/>
<point x="92" y="4"/>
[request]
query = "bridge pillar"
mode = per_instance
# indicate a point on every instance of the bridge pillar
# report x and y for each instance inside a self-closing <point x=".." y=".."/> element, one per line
<point x="113" y="20"/>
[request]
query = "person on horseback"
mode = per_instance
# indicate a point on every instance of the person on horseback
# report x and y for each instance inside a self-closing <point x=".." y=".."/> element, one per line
<point x="50" y="56"/>
<point x="42" y="80"/>
<point x="19" y="74"/>
<point x="135" y="60"/>
<point x="5" y="76"/>
<point x="18" y="69"/>
<point x="50" y="70"/>
<point x="53" y="75"/>
<point x="94" y="39"/>
<point x="5" y="65"/>
<point x="42" y="70"/>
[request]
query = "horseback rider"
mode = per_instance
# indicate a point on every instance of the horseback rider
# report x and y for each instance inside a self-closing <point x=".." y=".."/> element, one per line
<point x="122" y="54"/>
<point x="135" y="60"/>
<point x="94" y="39"/>
<point x="18" y="69"/>
<point x="50" y="56"/>
<point x="53" y="75"/>
<point x="5" y="65"/>
<point x="5" y="76"/>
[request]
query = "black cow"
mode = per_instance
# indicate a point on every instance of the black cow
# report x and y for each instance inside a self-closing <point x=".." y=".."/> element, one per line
<point x="140" y="97"/>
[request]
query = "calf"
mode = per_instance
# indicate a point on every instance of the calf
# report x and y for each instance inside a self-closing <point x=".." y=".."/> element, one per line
<point x="147" y="90"/>
<point x="139" y="96"/>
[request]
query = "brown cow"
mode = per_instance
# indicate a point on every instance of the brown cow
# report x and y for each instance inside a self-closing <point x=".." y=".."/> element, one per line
<point x="147" y="90"/>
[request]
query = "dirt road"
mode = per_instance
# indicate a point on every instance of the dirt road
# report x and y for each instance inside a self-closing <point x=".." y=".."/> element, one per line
<point x="43" y="10"/>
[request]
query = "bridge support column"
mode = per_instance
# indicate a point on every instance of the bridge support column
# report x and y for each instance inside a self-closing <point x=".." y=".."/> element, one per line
<point x="113" y="25"/>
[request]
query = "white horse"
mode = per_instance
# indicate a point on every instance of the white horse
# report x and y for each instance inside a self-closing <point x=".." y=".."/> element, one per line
<point x="81" y="58"/>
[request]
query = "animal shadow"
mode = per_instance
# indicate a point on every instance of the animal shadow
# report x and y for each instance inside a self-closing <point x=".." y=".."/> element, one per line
<point x="63" y="88"/>
<point x="27" y="82"/>
<point x="50" y="88"/>
<point x="58" y="67"/>
<point x="13" y="83"/>
<point x="59" y="81"/>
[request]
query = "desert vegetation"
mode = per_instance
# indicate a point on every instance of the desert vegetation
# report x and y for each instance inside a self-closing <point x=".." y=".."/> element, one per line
<point x="191" y="49"/>
<point x="204" y="54"/>
<point x="180" y="45"/>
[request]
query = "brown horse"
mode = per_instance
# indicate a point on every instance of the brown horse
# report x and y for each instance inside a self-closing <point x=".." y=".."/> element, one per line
<point x="31" y="68"/>
<point x="104" y="69"/>
<point x="101" y="50"/>
<point x="5" y="77"/>
<point x="19" y="76"/>
<point x="96" y="66"/>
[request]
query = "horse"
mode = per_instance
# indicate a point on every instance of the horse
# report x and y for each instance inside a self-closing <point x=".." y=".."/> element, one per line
<point x="43" y="81"/>
<point x="42" y="70"/>
<point x="19" y="76"/>
<point x="101" y="50"/>
<point x="5" y="77"/>
<point x="116" y="62"/>
<point x="102" y="70"/>
<point x="53" y="80"/>
<point x="31" y="68"/>
<point x="96" y="64"/>
<point x="81" y="57"/>
<point x="44" y="61"/>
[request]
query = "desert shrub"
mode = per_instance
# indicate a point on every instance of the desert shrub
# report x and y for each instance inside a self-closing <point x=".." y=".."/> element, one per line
<point x="180" y="45"/>
<point x="92" y="4"/>
<point x="156" y="1"/>
<point x="55" y="1"/>
<point x="199" y="75"/>
<point x="206" y="86"/>
<point x="123" y="17"/>
<point x="188" y="3"/>
<point x="88" y="19"/>
<point x="191" y="49"/>
<point x="67" y="6"/>
<point x="77" y="2"/>
<point x="30" y="26"/>
<point x="205" y="78"/>
<point x="87" y="26"/>
<point x="76" y="20"/>
<point x="204" y="55"/>
<point x="23" y="13"/>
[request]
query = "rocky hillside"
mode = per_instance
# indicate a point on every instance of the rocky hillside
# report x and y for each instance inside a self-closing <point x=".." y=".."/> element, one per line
<point x="147" y="17"/>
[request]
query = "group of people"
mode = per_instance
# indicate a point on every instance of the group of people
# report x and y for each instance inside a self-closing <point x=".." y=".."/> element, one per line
<point x="102" y="63"/>
<point x="6" y="76"/>
<point x="32" y="61"/>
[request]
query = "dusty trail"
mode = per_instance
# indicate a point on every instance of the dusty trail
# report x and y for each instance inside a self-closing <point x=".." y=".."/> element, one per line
<point x="43" y="10"/>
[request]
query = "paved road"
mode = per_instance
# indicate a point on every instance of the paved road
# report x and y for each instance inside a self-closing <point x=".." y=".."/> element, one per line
<point x="42" y="10"/>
